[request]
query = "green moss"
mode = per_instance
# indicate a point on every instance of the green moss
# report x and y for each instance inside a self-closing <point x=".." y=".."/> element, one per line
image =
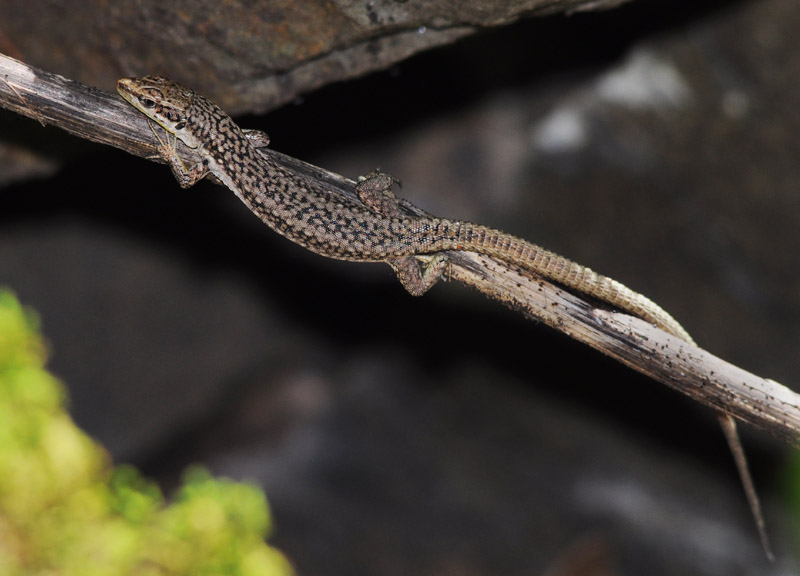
<point x="790" y="481"/>
<point x="65" y="510"/>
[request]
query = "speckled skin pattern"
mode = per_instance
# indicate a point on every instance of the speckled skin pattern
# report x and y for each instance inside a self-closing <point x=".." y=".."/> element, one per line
<point x="375" y="229"/>
<point x="372" y="230"/>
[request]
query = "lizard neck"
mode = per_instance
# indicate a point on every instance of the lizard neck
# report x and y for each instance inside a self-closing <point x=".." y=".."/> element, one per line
<point x="229" y="155"/>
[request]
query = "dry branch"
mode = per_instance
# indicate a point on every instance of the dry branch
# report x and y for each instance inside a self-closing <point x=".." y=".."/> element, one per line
<point x="102" y="117"/>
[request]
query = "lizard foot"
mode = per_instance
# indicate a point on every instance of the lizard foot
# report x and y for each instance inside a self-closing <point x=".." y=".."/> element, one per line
<point x="416" y="277"/>
<point x="257" y="138"/>
<point x="375" y="190"/>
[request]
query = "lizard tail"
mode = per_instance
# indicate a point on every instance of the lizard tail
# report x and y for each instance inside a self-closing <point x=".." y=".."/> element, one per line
<point x="563" y="271"/>
<point x="549" y="265"/>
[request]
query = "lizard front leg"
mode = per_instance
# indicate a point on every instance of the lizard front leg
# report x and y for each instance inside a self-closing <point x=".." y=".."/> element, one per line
<point x="189" y="176"/>
<point x="186" y="176"/>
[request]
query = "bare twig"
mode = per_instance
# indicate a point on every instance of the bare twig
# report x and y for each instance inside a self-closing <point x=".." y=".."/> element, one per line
<point x="102" y="117"/>
<point x="687" y="368"/>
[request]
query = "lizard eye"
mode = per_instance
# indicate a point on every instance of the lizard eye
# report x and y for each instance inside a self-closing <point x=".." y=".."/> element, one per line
<point x="147" y="103"/>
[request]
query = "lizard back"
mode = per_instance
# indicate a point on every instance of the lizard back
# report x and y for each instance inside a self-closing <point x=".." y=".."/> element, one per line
<point x="302" y="211"/>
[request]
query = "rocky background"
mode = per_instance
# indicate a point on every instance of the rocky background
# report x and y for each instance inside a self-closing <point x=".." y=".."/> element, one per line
<point x="443" y="435"/>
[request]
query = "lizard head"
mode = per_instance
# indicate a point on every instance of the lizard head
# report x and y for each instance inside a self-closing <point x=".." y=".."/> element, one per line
<point x="161" y="100"/>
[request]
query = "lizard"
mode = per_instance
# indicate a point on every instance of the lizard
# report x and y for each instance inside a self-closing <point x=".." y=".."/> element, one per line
<point x="373" y="228"/>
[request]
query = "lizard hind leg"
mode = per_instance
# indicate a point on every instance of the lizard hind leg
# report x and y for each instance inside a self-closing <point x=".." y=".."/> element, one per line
<point x="418" y="277"/>
<point x="375" y="191"/>
<point x="257" y="138"/>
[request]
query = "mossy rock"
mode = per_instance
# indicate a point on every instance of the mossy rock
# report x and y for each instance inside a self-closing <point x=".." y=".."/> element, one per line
<point x="66" y="510"/>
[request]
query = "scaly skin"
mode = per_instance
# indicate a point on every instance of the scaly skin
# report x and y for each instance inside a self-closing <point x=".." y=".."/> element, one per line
<point x="349" y="230"/>
<point x="375" y="229"/>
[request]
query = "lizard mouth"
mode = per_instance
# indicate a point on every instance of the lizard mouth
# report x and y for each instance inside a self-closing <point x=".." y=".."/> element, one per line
<point x="144" y="98"/>
<point x="130" y="91"/>
<point x="125" y="89"/>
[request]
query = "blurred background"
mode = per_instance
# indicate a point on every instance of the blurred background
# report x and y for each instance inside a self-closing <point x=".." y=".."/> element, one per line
<point x="443" y="435"/>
